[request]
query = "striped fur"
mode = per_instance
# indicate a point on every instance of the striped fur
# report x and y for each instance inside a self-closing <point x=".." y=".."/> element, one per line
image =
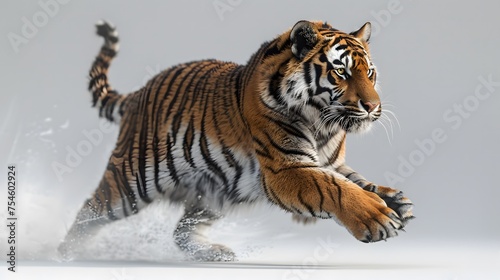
<point x="214" y="135"/>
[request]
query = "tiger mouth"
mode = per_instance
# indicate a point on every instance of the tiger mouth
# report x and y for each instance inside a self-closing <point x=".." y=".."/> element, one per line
<point x="352" y="119"/>
<point x="353" y="123"/>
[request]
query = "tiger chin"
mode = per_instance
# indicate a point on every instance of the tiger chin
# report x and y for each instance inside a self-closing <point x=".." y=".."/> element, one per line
<point x="211" y="136"/>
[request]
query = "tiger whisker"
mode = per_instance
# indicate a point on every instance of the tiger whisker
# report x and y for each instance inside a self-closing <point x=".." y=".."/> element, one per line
<point x="323" y="120"/>
<point x="386" y="132"/>
<point x="393" y="115"/>
<point x="386" y="118"/>
<point x="388" y="104"/>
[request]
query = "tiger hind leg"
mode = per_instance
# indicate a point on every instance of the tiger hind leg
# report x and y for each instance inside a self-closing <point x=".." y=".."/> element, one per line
<point x="190" y="236"/>
<point x="107" y="204"/>
<point x="85" y="226"/>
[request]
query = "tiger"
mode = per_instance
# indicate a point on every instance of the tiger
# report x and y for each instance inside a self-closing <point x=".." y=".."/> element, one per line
<point x="213" y="136"/>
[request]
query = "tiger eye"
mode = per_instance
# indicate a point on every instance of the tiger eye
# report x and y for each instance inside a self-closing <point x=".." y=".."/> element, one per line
<point x="340" y="71"/>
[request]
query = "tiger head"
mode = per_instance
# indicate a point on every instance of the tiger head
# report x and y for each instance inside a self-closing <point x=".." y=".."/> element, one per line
<point x="329" y="78"/>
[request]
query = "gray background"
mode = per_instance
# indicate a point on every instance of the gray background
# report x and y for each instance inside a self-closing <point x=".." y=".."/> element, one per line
<point x="430" y="55"/>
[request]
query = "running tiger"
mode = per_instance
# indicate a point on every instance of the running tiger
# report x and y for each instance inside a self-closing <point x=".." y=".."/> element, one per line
<point x="212" y="136"/>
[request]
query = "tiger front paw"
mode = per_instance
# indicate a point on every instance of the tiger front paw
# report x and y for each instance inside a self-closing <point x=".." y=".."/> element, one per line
<point x="370" y="220"/>
<point x="395" y="200"/>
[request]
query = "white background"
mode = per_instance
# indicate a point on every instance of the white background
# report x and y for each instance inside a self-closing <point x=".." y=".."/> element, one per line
<point x="431" y="56"/>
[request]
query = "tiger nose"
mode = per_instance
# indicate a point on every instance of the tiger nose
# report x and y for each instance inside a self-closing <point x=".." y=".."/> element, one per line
<point x="369" y="106"/>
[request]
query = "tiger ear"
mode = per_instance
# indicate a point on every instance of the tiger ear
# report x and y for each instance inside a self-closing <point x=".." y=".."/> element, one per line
<point x="364" y="33"/>
<point x="304" y="37"/>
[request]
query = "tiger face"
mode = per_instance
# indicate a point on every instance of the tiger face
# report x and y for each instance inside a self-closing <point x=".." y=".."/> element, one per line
<point x="330" y="80"/>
